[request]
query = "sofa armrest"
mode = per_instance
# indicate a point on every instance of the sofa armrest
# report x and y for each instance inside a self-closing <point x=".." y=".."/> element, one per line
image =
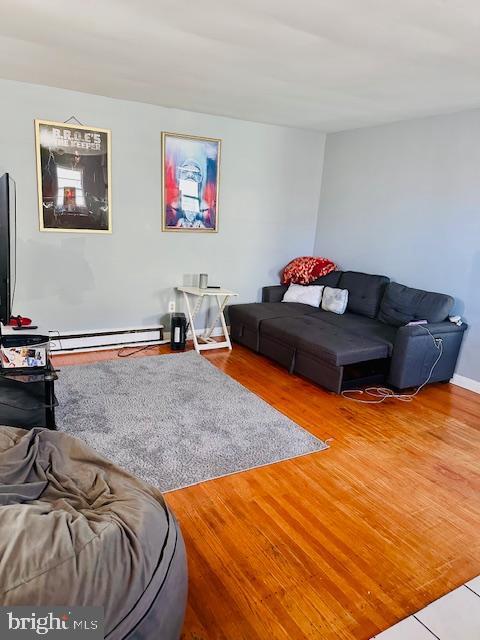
<point x="437" y="329"/>
<point x="414" y="353"/>
<point x="274" y="293"/>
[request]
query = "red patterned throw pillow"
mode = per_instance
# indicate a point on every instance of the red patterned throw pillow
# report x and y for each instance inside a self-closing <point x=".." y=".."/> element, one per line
<point x="306" y="269"/>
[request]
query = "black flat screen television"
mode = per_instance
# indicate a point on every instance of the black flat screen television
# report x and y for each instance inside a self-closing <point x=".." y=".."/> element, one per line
<point x="7" y="247"/>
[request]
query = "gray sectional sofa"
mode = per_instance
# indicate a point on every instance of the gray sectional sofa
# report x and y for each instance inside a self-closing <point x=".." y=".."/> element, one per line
<point x="370" y="342"/>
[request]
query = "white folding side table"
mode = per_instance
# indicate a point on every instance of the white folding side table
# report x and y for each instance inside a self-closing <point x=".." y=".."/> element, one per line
<point x="222" y="296"/>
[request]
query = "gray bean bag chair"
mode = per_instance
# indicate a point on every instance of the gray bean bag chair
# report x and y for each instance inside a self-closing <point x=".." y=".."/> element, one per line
<point x="77" y="530"/>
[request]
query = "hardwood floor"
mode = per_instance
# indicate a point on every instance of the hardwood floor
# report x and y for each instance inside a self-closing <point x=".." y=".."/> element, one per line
<point x="341" y="543"/>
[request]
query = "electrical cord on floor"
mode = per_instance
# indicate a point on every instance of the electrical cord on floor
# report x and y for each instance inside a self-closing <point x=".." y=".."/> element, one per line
<point x="122" y="352"/>
<point x="380" y="394"/>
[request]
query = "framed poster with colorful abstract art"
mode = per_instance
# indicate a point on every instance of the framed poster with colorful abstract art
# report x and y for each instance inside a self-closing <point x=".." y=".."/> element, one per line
<point x="190" y="183"/>
<point x="74" y="177"/>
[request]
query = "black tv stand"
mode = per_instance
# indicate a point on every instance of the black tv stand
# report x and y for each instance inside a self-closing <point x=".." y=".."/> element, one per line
<point x="27" y="397"/>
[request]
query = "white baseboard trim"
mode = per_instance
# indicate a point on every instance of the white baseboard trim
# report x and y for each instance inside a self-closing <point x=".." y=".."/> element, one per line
<point x="218" y="331"/>
<point x="103" y="340"/>
<point x="466" y="383"/>
<point x="91" y="340"/>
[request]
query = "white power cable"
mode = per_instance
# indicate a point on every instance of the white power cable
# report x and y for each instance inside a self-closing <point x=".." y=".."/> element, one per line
<point x="380" y="394"/>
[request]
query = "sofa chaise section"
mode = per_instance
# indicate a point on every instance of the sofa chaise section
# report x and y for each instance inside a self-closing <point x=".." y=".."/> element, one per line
<point x="316" y="349"/>
<point x="246" y="319"/>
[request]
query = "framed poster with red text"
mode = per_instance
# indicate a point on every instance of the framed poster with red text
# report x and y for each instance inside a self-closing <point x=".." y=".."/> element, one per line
<point x="74" y="177"/>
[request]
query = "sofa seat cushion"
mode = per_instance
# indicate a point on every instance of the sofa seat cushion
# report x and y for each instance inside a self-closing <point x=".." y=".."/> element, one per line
<point x="401" y="305"/>
<point x="365" y="292"/>
<point x="361" y="326"/>
<point x="252" y="314"/>
<point x="329" y="343"/>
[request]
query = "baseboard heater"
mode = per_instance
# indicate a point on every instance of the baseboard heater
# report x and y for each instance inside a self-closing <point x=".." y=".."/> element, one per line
<point x="65" y="342"/>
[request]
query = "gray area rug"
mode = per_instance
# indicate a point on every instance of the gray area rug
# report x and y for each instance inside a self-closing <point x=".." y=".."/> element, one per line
<point x="174" y="420"/>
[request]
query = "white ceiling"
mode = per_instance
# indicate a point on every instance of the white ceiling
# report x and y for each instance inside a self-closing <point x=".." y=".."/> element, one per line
<point x="316" y="64"/>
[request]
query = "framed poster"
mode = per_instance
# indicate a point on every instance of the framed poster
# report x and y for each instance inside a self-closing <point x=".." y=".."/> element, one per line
<point x="190" y="183"/>
<point x="74" y="177"/>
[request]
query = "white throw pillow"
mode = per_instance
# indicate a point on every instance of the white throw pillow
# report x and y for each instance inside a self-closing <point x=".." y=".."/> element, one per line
<point x="311" y="294"/>
<point x="335" y="300"/>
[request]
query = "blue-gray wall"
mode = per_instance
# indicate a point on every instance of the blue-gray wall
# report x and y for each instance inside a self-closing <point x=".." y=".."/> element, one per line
<point x="404" y="200"/>
<point x="269" y="191"/>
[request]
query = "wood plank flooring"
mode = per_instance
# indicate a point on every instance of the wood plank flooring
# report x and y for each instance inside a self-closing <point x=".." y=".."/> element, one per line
<point x="342" y="543"/>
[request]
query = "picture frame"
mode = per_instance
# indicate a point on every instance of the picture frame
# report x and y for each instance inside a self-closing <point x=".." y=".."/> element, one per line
<point x="190" y="183"/>
<point x="74" y="177"/>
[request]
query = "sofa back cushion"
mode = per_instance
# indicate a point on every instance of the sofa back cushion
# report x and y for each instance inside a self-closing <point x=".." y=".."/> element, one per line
<point x="365" y="292"/>
<point x="401" y="305"/>
<point x="330" y="280"/>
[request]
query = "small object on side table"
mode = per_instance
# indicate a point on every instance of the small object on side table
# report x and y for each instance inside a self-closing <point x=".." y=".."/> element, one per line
<point x="222" y="296"/>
